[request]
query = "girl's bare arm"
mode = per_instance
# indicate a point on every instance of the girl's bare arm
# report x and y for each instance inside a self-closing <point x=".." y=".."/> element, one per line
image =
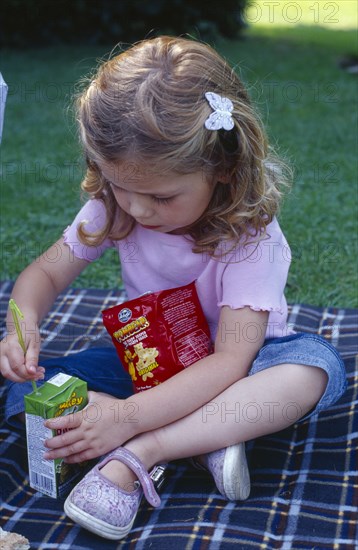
<point x="35" y="291"/>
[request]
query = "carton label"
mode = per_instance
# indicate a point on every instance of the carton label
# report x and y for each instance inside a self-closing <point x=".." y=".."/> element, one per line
<point x="59" y="379"/>
<point x="42" y="474"/>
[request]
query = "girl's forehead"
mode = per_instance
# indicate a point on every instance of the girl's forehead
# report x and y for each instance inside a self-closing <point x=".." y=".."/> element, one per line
<point x="127" y="171"/>
<point x="148" y="178"/>
<point x="131" y="172"/>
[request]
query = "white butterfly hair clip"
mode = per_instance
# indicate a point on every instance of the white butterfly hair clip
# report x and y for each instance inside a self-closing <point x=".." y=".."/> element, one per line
<point x="221" y="118"/>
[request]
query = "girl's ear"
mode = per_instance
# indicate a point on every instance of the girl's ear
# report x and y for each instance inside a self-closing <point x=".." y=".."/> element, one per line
<point x="223" y="178"/>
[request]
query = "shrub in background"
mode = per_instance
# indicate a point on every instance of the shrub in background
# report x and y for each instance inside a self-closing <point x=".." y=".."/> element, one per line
<point x="44" y="22"/>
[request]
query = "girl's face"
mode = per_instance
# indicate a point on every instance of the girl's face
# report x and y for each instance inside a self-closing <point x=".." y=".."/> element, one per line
<point x="167" y="203"/>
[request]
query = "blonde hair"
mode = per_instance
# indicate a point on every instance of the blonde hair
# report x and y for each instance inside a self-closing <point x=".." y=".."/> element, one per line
<point x="148" y="103"/>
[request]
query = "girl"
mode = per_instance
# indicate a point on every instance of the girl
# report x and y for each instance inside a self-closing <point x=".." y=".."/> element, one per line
<point x="182" y="183"/>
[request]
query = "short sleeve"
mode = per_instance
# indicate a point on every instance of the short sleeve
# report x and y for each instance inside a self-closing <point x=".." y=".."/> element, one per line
<point x="93" y="213"/>
<point x="255" y="275"/>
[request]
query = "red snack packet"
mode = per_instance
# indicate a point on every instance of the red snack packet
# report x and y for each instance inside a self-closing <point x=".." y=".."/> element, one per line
<point x="159" y="334"/>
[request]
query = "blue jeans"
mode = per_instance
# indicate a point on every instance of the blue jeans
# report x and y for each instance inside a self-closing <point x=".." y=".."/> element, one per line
<point x="103" y="372"/>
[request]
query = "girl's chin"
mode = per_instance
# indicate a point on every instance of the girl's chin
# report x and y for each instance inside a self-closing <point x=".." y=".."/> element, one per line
<point x="153" y="227"/>
<point x="166" y="229"/>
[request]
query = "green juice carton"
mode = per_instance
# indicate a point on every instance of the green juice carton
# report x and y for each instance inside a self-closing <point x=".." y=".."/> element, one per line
<point x="61" y="395"/>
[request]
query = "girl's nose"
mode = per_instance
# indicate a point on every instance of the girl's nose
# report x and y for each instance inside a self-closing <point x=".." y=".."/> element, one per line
<point x="139" y="206"/>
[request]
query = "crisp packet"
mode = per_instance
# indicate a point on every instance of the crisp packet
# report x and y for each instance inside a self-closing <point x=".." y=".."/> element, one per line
<point x="159" y="334"/>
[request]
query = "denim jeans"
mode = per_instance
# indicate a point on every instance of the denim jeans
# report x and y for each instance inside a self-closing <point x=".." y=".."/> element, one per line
<point x="103" y="372"/>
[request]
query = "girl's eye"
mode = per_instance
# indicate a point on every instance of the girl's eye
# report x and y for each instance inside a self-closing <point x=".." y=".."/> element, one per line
<point x="116" y="188"/>
<point x="163" y="200"/>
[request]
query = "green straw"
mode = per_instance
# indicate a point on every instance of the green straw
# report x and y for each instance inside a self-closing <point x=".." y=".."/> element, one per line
<point x="16" y="314"/>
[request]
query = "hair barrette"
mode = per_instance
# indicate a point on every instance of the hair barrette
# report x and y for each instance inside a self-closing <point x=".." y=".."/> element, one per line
<point x="221" y="118"/>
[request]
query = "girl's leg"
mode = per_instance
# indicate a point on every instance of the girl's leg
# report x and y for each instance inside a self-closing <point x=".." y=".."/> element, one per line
<point x="263" y="403"/>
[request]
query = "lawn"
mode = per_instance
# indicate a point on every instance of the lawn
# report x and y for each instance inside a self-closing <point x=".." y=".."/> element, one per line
<point x="306" y="100"/>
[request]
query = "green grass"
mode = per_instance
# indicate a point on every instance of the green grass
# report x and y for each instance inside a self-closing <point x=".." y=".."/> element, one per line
<point x="337" y="15"/>
<point x="306" y="101"/>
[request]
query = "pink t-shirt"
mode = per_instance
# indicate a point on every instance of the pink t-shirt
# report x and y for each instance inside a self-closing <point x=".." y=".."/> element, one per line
<point x="254" y="275"/>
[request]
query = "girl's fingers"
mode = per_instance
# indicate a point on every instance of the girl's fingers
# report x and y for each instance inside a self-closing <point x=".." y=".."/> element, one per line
<point x="87" y="454"/>
<point x="15" y="378"/>
<point x="16" y="362"/>
<point x="31" y="368"/>
<point x="64" y="451"/>
<point x="14" y="367"/>
<point x="10" y="373"/>
<point x="32" y="356"/>
<point x="64" y="423"/>
<point x="68" y="440"/>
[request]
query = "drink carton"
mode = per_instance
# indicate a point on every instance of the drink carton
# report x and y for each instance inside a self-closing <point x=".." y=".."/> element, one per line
<point x="59" y="396"/>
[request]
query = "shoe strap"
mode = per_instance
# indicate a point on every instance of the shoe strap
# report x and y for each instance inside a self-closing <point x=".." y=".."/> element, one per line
<point x="132" y="461"/>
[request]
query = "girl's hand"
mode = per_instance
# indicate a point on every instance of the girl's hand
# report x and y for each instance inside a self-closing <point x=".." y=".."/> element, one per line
<point x="104" y="424"/>
<point x="14" y="365"/>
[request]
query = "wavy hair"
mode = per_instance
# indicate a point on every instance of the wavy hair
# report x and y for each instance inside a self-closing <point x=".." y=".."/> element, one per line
<point x="148" y="104"/>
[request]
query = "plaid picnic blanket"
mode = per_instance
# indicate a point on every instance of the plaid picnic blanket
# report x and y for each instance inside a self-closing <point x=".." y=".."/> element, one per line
<point x="304" y="479"/>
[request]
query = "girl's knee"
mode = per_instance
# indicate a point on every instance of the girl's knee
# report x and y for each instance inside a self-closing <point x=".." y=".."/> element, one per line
<point x="311" y="380"/>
